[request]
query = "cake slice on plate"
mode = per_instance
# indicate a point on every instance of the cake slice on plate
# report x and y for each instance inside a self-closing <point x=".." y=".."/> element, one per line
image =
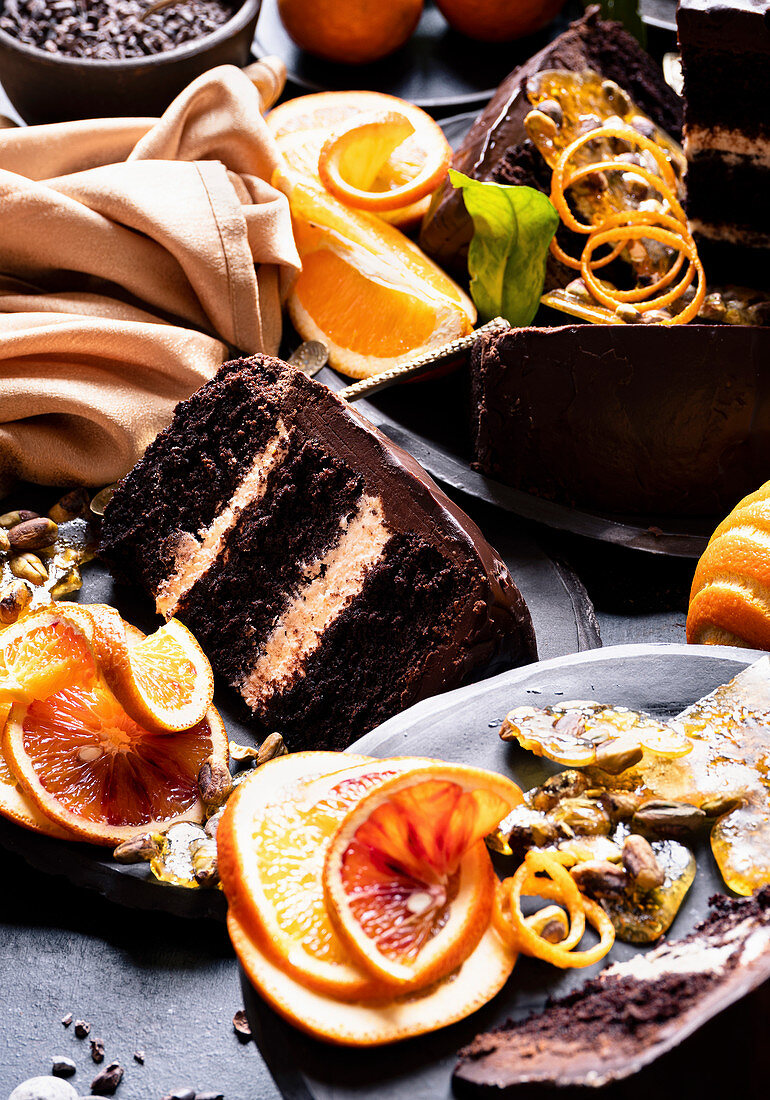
<point x="328" y="579"/>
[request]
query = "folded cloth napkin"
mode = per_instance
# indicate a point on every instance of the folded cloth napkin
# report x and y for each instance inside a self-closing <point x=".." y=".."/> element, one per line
<point x="135" y="256"/>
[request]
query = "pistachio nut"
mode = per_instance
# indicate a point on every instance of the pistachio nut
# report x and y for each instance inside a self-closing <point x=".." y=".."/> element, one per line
<point x="33" y="534"/>
<point x="242" y="752"/>
<point x="616" y="755"/>
<point x="72" y="505"/>
<point x="212" y="823"/>
<point x="668" y="819"/>
<point x="567" y="784"/>
<point x="138" y="849"/>
<point x="620" y="805"/>
<point x="5" y="542"/>
<point x="102" y="499"/>
<point x="10" y="519"/>
<point x="551" y="923"/>
<point x="204" y="862"/>
<point x="717" y="807"/>
<point x="583" y="816"/>
<point x="598" y="878"/>
<point x="15" y="597"/>
<point x="29" y="567"/>
<point x="214" y="782"/>
<point x="641" y="863"/>
<point x="271" y="747"/>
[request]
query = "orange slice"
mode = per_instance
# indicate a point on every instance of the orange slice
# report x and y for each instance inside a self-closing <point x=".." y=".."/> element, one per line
<point x="366" y="290"/>
<point x="15" y="805"/>
<point x="163" y="681"/>
<point x="407" y="878"/>
<point x="473" y="984"/>
<point x="93" y="770"/>
<point x="271" y="842"/>
<point x="302" y="126"/>
<point x="45" y="651"/>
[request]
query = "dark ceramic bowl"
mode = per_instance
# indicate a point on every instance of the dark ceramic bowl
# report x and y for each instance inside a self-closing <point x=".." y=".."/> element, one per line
<point x="46" y="87"/>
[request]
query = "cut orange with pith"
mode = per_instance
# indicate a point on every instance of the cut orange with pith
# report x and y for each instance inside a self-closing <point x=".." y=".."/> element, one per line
<point x="418" y="163"/>
<point x="15" y="805"/>
<point x="366" y="290"/>
<point x="472" y="985"/>
<point x="271" y="842"/>
<point x="164" y="681"/>
<point x="44" y="652"/>
<point x="93" y="770"/>
<point x="408" y="880"/>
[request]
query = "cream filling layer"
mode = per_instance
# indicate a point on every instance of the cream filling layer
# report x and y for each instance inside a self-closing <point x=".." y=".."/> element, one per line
<point x="195" y="554"/>
<point x="732" y="234"/>
<point x="734" y="145"/>
<point x="333" y="581"/>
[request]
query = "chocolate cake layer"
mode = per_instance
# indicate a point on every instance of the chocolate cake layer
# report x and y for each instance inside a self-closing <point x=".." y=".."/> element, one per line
<point x="333" y="583"/>
<point x="629" y="419"/>
<point x="497" y="146"/>
<point x="634" y="1012"/>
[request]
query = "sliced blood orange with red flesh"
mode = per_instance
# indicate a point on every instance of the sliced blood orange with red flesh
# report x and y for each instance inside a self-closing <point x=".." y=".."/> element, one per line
<point x="91" y="768"/>
<point x="408" y="880"/>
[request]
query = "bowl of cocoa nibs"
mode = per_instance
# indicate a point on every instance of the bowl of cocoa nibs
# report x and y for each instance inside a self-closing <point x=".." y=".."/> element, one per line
<point x="79" y="59"/>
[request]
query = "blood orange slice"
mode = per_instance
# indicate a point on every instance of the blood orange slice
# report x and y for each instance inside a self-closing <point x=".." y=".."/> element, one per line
<point x="272" y="840"/>
<point x="407" y="878"/>
<point x="472" y="985"/>
<point x="15" y="805"/>
<point x="89" y="767"/>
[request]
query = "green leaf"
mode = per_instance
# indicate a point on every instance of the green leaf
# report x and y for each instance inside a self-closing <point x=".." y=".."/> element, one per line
<point x="627" y="13"/>
<point x="512" y="229"/>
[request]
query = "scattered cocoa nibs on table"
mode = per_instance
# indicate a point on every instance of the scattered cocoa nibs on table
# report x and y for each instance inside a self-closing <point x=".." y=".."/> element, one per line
<point x="106" y="1082"/>
<point x="82" y="1029"/>
<point x="110" y="30"/>
<point x="139" y="1057"/>
<point x="97" y="1050"/>
<point x="67" y="1020"/>
<point x="63" y="1067"/>
<point x="241" y="1025"/>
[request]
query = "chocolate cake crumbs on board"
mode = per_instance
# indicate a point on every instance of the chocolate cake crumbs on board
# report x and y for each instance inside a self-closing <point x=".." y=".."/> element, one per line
<point x="633" y="1012"/>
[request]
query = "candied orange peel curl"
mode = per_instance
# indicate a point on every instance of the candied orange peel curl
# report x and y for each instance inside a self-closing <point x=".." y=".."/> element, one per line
<point x="520" y="932"/>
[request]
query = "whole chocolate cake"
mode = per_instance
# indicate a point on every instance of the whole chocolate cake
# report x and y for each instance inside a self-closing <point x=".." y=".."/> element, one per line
<point x="725" y="47"/>
<point x="625" y="418"/>
<point x="497" y="146"/>
<point x="328" y="579"/>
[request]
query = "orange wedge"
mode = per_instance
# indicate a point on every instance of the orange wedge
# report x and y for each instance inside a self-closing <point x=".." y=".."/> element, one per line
<point x="89" y="767"/>
<point x="271" y="843"/>
<point x="418" y="162"/>
<point x="44" y="651"/>
<point x="474" y="983"/>
<point x="365" y="290"/>
<point x="163" y="681"/>
<point x="408" y="880"/>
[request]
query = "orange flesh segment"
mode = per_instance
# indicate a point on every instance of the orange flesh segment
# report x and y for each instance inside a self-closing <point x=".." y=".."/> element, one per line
<point x="100" y="765"/>
<point x="162" y="672"/>
<point x="46" y="658"/>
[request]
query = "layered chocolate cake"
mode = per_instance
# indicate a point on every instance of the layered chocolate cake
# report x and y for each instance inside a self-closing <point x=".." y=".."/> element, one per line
<point x="637" y="1011"/>
<point x="725" y="49"/>
<point x="497" y="147"/>
<point x="328" y="579"/>
<point x="625" y="418"/>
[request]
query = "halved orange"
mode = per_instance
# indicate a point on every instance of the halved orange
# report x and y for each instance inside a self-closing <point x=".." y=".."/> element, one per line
<point x="472" y="985"/>
<point x="46" y="651"/>
<point x="89" y="767"/>
<point x="163" y="681"/>
<point x="408" y="880"/>
<point x="271" y="842"/>
<point x="365" y="290"/>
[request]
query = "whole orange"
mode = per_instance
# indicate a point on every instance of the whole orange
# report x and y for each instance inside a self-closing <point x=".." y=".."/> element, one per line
<point x="499" y="20"/>
<point x="730" y="596"/>
<point x="352" y="31"/>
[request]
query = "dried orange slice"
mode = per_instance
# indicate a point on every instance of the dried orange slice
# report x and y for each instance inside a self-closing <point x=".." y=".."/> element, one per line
<point x="44" y="652"/>
<point x="271" y="842"/>
<point x="472" y="985"/>
<point x="93" y="770"/>
<point x="164" y="681"/>
<point x="407" y="878"/>
<point x="366" y="290"/>
<point x="302" y="126"/>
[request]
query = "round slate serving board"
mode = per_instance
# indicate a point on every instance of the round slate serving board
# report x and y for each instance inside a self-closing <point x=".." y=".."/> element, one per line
<point x="462" y="726"/>
<point x="564" y="622"/>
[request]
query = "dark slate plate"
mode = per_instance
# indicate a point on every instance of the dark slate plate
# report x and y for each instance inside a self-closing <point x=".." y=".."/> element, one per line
<point x="564" y="622"/>
<point x="462" y="726"/>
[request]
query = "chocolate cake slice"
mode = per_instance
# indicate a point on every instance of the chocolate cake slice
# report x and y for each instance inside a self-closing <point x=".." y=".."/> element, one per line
<point x="725" y="47"/>
<point x="630" y="419"/>
<point x="636" y="1011"/>
<point x="328" y="579"/>
<point x="497" y="147"/>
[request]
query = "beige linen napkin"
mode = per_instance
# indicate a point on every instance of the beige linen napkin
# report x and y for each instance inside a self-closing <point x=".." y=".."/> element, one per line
<point x="135" y="254"/>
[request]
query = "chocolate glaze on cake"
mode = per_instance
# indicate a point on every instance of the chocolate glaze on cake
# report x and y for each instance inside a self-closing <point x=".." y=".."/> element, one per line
<point x="328" y="579"/>
<point x="634" y="1012"/>
<point x="497" y="147"/>
<point x="725" y="49"/>
<point x="631" y="419"/>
